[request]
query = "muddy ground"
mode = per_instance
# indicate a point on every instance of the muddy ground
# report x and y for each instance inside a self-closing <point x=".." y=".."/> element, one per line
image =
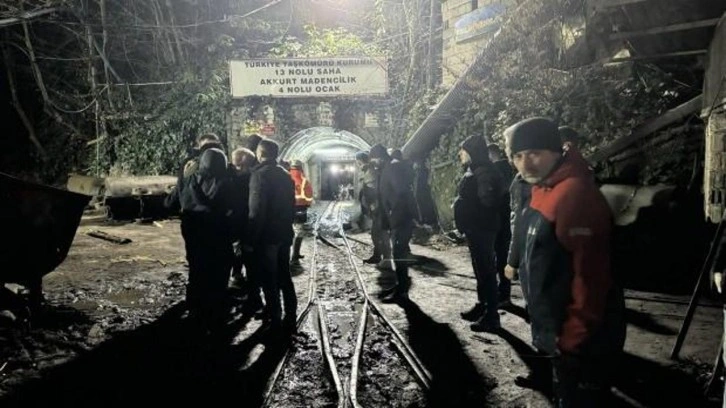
<point x="114" y="332"/>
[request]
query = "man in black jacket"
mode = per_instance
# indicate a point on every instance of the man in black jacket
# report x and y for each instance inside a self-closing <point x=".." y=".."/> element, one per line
<point x="395" y="191"/>
<point x="504" y="235"/>
<point x="370" y="200"/>
<point x="243" y="161"/>
<point x="271" y="213"/>
<point x="203" y="196"/>
<point x="477" y="212"/>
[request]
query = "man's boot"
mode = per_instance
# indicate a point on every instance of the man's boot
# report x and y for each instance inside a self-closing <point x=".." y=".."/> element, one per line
<point x="296" y="248"/>
<point x="474" y="313"/>
<point x="385" y="264"/>
<point x="398" y="295"/>
<point x="486" y="324"/>
<point x="374" y="259"/>
<point x="386" y="292"/>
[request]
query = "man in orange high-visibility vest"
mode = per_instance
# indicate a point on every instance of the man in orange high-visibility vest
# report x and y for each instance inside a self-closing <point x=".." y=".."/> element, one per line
<point x="303" y="200"/>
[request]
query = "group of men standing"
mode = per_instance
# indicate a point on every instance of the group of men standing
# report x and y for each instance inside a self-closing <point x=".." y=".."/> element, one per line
<point x="240" y="215"/>
<point x="559" y="246"/>
<point x="549" y="225"/>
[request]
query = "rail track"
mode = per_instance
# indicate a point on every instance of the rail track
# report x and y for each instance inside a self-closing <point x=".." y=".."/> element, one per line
<point x="347" y="352"/>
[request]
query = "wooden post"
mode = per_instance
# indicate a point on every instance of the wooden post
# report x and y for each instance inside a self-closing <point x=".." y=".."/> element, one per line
<point x="717" y="369"/>
<point x="705" y="272"/>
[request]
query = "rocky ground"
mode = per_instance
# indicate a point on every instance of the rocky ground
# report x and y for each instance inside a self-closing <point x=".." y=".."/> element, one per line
<point x="114" y="333"/>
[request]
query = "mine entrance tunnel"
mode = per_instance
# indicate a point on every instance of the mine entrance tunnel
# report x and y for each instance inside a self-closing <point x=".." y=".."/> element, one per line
<point x="328" y="157"/>
<point x="338" y="179"/>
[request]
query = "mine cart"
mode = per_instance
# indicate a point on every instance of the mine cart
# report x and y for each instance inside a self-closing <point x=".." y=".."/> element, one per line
<point x="38" y="226"/>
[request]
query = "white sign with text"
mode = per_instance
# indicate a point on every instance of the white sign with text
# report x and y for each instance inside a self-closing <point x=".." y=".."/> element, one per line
<point x="308" y="77"/>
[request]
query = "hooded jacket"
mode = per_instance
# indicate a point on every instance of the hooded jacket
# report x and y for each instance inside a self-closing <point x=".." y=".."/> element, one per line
<point x="481" y="192"/>
<point x="575" y="305"/>
<point x="203" y="185"/>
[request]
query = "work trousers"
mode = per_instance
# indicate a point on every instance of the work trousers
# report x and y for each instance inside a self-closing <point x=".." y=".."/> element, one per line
<point x="400" y="237"/>
<point x="274" y="269"/>
<point x="582" y="381"/>
<point x="501" y="248"/>
<point x="381" y="237"/>
<point x="209" y="255"/>
<point x="483" y="261"/>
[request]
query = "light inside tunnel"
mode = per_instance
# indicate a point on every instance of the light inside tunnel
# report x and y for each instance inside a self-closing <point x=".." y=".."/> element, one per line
<point x="333" y="151"/>
<point x="324" y="143"/>
<point x="328" y="157"/>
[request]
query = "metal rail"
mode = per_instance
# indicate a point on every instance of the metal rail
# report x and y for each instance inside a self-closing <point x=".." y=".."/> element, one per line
<point x="422" y="375"/>
<point x="320" y="326"/>
<point x="357" y="354"/>
<point x="325" y="341"/>
<point x="333" y="211"/>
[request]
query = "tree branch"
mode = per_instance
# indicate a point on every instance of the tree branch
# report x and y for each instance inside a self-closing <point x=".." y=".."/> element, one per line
<point x="18" y="107"/>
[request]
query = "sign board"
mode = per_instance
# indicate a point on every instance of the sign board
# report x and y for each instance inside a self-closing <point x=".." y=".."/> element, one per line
<point x="372" y="120"/>
<point x="308" y="77"/>
<point x="259" y="127"/>
<point x="268" y="129"/>
<point x="479" y="22"/>
<point x="251" y="127"/>
<point x="325" y="114"/>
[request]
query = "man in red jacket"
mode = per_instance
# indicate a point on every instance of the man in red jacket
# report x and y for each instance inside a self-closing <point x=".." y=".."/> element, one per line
<point x="575" y="305"/>
<point x="303" y="201"/>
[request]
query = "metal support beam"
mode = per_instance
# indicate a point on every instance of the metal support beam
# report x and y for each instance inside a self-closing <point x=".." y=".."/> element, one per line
<point x="601" y="5"/>
<point x="678" y="113"/>
<point x="691" y="25"/>
<point x="676" y="54"/>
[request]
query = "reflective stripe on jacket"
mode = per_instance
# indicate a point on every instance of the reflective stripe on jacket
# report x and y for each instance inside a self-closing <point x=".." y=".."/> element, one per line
<point x="303" y="188"/>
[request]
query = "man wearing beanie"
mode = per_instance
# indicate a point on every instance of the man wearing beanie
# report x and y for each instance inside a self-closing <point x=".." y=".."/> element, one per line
<point x="395" y="194"/>
<point x="575" y="305"/>
<point x="477" y="212"/>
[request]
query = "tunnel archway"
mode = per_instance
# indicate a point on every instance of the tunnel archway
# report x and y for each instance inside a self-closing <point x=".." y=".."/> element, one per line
<point x="328" y="157"/>
<point x="303" y="145"/>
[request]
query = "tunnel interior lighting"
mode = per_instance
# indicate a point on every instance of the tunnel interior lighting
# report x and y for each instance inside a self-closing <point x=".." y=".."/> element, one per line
<point x="333" y="151"/>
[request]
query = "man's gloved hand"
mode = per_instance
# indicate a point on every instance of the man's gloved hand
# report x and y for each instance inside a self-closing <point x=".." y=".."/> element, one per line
<point x="510" y="272"/>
